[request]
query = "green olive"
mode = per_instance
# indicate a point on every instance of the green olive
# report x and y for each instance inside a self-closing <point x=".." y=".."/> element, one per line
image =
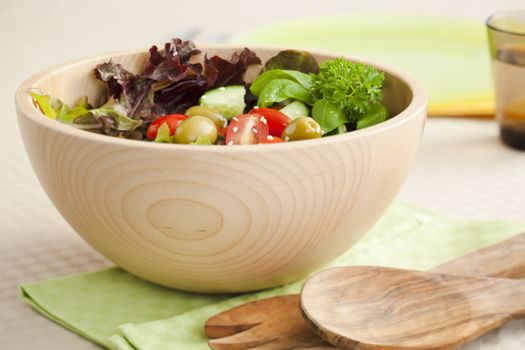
<point x="194" y="127"/>
<point x="218" y="119"/>
<point x="302" y="128"/>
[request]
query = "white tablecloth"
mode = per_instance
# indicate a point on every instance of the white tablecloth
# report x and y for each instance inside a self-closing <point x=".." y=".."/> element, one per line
<point x="462" y="168"/>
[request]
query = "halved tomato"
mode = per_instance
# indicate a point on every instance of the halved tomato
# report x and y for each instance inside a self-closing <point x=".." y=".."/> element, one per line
<point x="172" y="120"/>
<point x="272" y="139"/>
<point x="246" y="129"/>
<point x="277" y="121"/>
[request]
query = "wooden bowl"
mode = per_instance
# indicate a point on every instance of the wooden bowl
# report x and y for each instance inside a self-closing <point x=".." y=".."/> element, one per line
<point x="218" y="218"/>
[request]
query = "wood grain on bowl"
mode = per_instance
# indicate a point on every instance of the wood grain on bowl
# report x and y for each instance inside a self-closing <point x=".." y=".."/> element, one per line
<point x="217" y="218"/>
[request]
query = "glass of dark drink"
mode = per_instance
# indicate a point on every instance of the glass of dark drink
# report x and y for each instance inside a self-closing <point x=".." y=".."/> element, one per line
<point x="506" y="33"/>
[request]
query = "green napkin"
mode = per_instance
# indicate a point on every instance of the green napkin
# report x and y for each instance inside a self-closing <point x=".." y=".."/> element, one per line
<point x="121" y="312"/>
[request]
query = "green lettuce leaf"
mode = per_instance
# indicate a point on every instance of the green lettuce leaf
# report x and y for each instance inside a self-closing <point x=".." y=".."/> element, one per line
<point x="55" y="109"/>
<point x="68" y="115"/>
<point x="164" y="134"/>
<point x="49" y="105"/>
<point x="117" y="112"/>
<point x="108" y="119"/>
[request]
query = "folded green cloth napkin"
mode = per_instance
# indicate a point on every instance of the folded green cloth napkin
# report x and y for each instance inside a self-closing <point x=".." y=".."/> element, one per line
<point x="122" y="312"/>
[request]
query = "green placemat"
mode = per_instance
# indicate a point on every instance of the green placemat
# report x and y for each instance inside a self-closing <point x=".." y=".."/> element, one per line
<point x="122" y="312"/>
<point x="450" y="56"/>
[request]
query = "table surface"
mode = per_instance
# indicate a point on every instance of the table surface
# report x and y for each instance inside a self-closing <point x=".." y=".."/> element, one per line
<point x="462" y="169"/>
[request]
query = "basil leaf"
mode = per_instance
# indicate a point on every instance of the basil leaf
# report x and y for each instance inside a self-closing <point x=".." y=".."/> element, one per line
<point x="262" y="80"/>
<point x="376" y="114"/>
<point x="328" y="115"/>
<point x="279" y="90"/>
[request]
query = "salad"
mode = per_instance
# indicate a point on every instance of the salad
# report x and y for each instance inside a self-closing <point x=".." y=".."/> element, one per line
<point x="175" y="100"/>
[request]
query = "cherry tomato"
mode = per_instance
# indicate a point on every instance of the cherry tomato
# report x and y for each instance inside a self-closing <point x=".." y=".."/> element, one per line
<point x="222" y="132"/>
<point x="246" y="129"/>
<point x="272" y="139"/>
<point x="172" y="120"/>
<point x="277" y="121"/>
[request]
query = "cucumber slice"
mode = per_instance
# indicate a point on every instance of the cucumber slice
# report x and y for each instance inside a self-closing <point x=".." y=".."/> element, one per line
<point x="341" y="129"/>
<point x="295" y="109"/>
<point x="227" y="100"/>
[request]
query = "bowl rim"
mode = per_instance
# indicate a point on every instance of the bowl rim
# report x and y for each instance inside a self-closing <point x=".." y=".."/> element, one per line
<point x="26" y="109"/>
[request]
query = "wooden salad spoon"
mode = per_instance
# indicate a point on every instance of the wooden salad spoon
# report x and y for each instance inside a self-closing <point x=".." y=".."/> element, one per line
<point x="380" y="308"/>
<point x="276" y="323"/>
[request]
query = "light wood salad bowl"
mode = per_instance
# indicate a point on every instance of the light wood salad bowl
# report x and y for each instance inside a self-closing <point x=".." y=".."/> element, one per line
<point x="218" y="218"/>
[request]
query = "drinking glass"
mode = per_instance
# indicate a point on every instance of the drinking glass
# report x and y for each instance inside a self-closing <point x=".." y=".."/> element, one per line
<point x="506" y="33"/>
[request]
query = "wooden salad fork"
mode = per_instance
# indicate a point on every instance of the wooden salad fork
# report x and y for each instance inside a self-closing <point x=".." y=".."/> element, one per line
<point x="277" y="323"/>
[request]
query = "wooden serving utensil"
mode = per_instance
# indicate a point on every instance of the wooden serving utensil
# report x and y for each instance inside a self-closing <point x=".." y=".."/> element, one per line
<point x="380" y="308"/>
<point x="276" y="323"/>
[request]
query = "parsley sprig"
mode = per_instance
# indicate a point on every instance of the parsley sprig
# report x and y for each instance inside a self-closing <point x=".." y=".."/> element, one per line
<point x="351" y="87"/>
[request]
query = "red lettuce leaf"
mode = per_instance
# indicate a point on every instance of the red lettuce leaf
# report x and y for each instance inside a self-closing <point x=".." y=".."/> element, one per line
<point x="169" y="83"/>
<point x="250" y="100"/>
<point x="221" y="72"/>
<point x="130" y="90"/>
<point x="179" y="96"/>
<point x="114" y="75"/>
<point x="171" y="62"/>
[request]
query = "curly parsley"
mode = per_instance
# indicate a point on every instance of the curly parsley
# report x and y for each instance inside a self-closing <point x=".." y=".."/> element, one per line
<point x="351" y="87"/>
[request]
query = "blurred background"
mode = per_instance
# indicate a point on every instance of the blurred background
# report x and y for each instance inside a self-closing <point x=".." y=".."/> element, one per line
<point x="462" y="168"/>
